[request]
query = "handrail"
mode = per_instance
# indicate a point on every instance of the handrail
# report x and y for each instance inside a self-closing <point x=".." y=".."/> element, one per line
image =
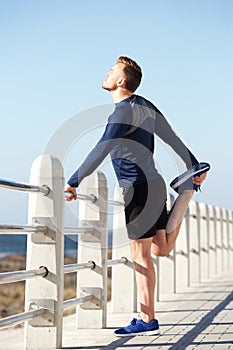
<point x="17" y="229"/>
<point x="80" y="196"/>
<point x="75" y="267"/>
<point x="93" y="199"/>
<point x="24" y="228"/>
<point x="122" y="260"/>
<point x="79" y="229"/>
<point x="16" y="276"/>
<point x="24" y="187"/>
<point x="46" y="296"/>
<point x="76" y="301"/>
<point x="112" y="202"/>
<point x="20" y="318"/>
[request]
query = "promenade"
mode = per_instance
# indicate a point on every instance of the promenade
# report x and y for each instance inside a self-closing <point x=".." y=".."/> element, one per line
<point x="201" y="317"/>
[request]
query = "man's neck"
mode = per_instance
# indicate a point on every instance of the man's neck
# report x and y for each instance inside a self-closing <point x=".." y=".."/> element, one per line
<point x="120" y="95"/>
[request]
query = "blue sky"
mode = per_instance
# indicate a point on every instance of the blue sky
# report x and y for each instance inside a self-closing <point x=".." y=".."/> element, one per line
<point x="54" y="55"/>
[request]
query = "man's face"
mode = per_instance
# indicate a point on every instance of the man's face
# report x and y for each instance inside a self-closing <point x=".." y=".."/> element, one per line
<point x="114" y="77"/>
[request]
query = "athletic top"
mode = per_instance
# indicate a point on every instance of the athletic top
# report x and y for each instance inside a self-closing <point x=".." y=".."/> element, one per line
<point x="129" y="138"/>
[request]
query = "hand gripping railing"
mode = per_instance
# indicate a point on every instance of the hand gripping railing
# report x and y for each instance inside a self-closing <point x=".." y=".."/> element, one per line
<point x="44" y="189"/>
<point x="84" y="197"/>
<point x="92" y="198"/>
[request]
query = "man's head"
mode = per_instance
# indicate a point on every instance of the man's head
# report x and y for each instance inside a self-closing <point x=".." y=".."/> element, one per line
<point x="125" y="74"/>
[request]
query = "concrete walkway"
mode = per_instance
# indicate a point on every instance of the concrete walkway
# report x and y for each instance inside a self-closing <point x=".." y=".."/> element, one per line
<point x="199" y="318"/>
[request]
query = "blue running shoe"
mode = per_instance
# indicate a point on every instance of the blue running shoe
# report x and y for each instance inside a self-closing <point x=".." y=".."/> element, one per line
<point x="184" y="181"/>
<point x="138" y="327"/>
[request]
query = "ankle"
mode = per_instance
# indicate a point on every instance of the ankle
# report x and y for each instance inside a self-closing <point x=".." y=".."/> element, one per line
<point x="146" y="318"/>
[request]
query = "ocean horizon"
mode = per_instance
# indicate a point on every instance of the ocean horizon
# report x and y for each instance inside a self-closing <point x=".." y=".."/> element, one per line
<point x="17" y="244"/>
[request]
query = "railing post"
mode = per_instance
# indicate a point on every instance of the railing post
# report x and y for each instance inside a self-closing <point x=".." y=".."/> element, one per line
<point x="93" y="246"/>
<point x="45" y="332"/>
<point x="204" y="244"/>
<point x="181" y="256"/>
<point x="230" y="236"/>
<point x="166" y="267"/>
<point x="219" y="240"/>
<point x="225" y="239"/>
<point x="212" y="240"/>
<point x="194" y="245"/>
<point x="124" y="294"/>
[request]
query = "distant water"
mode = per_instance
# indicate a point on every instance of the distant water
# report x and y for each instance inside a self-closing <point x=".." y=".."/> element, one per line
<point x="17" y="244"/>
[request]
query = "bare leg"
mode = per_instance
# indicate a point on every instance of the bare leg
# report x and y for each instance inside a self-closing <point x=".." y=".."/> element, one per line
<point x="164" y="240"/>
<point x="145" y="276"/>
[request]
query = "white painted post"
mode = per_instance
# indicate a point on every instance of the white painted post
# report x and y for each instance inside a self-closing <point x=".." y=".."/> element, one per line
<point x="124" y="297"/>
<point x="93" y="247"/>
<point x="166" y="267"/>
<point x="225" y="239"/>
<point x="212" y="240"/>
<point x="230" y="232"/>
<point x="219" y="240"/>
<point x="45" y="332"/>
<point x="181" y="257"/>
<point x="194" y="245"/>
<point x="204" y="243"/>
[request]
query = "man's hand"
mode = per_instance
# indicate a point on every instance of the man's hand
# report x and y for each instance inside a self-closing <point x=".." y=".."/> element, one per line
<point x="197" y="180"/>
<point x="72" y="191"/>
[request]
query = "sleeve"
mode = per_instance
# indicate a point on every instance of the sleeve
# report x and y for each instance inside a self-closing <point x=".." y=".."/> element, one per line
<point x="166" y="133"/>
<point x="116" y="128"/>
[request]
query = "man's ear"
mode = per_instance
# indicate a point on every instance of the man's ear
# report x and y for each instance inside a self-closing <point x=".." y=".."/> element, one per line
<point x="121" y="82"/>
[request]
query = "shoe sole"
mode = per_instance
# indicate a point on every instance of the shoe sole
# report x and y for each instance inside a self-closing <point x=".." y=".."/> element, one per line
<point x="188" y="175"/>
<point x="155" y="332"/>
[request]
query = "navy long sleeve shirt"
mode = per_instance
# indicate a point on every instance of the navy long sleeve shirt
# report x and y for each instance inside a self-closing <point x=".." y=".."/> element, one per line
<point x="129" y="138"/>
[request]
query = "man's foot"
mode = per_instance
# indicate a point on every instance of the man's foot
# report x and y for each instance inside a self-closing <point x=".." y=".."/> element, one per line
<point x="184" y="181"/>
<point x="138" y="327"/>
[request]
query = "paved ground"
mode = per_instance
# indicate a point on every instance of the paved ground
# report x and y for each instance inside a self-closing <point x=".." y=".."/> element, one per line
<point x="201" y="318"/>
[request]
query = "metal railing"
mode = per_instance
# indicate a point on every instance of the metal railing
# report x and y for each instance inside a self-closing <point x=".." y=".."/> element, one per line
<point x="11" y="185"/>
<point x="122" y="260"/>
<point x="21" y="318"/>
<point x="16" y="276"/>
<point x="205" y="234"/>
<point x="23" y="229"/>
<point x="38" y="305"/>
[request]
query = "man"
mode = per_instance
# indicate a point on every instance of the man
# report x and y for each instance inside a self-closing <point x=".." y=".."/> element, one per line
<point x="129" y="138"/>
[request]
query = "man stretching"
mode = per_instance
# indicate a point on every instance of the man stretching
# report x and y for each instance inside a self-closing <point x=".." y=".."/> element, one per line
<point x="129" y="138"/>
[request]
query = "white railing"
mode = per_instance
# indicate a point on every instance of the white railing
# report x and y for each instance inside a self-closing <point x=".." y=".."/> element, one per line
<point x="204" y="248"/>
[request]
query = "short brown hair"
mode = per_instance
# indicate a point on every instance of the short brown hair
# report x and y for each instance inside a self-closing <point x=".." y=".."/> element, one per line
<point x="133" y="73"/>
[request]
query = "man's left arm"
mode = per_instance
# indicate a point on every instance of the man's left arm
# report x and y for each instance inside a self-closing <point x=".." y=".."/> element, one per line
<point x="113" y="132"/>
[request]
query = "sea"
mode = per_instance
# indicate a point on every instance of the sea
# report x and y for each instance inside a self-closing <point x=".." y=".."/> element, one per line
<point x="17" y="244"/>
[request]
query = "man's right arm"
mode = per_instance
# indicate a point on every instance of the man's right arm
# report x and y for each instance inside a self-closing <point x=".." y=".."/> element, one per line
<point x="164" y="130"/>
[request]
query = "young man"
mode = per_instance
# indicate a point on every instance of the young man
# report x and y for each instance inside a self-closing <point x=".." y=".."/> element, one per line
<point x="129" y="138"/>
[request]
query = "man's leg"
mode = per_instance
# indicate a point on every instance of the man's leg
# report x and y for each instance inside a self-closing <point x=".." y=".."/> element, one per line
<point x="145" y="276"/>
<point x="164" y="240"/>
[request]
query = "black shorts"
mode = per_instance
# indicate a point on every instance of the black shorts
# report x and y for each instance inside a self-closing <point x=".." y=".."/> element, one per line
<point x="145" y="208"/>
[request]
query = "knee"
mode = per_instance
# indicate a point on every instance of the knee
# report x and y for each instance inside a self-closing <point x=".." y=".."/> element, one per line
<point x="163" y="252"/>
<point x="140" y="251"/>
